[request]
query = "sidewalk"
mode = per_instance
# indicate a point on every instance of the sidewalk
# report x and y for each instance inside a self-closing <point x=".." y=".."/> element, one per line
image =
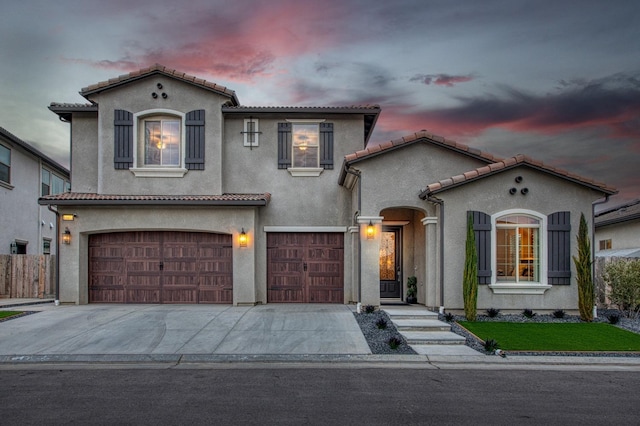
<point x="224" y="336"/>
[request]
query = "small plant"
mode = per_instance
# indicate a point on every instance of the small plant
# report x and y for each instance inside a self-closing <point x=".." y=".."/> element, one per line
<point x="559" y="314"/>
<point x="528" y="313"/>
<point x="490" y="345"/>
<point x="394" y="342"/>
<point x="381" y="323"/>
<point x="613" y="318"/>
<point x="449" y="317"/>
<point x="369" y="309"/>
<point x="412" y="289"/>
<point x="493" y="312"/>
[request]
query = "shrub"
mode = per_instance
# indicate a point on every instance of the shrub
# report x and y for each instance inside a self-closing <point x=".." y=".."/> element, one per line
<point x="394" y="342"/>
<point x="586" y="295"/>
<point x="528" y="313"/>
<point x="381" y="323"/>
<point x="493" y="312"/>
<point x="369" y="309"/>
<point x="491" y="345"/>
<point x="412" y="287"/>
<point x="613" y="318"/>
<point x="470" y="278"/>
<point x="559" y="313"/>
<point x="623" y="276"/>
<point x="449" y="317"/>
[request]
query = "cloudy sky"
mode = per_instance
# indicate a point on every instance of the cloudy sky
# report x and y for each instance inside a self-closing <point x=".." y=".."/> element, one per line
<point x="557" y="80"/>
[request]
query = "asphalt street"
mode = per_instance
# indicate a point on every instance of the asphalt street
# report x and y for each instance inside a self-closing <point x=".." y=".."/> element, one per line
<point x="231" y="394"/>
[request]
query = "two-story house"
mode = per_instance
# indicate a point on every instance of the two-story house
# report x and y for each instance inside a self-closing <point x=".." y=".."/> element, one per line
<point x="183" y="195"/>
<point x="26" y="174"/>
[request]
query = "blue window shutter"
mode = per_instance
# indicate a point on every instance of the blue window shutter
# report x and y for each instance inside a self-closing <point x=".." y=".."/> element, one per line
<point x="326" y="146"/>
<point x="122" y="139"/>
<point x="194" y="125"/>
<point x="559" y="241"/>
<point x="482" y="234"/>
<point x="284" y="145"/>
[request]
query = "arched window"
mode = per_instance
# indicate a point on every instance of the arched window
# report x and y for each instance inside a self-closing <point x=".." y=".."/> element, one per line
<point x="518" y="248"/>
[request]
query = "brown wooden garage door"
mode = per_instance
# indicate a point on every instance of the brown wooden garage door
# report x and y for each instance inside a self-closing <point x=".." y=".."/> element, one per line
<point x="160" y="267"/>
<point x="305" y="267"/>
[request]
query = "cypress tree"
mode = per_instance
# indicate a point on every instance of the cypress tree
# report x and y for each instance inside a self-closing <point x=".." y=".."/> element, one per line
<point x="470" y="279"/>
<point x="583" y="269"/>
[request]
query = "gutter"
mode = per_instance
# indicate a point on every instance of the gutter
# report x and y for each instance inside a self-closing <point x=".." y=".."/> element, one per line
<point x="358" y="176"/>
<point x="440" y="202"/>
<point x="57" y="300"/>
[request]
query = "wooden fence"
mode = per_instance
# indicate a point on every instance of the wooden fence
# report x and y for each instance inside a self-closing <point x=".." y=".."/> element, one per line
<point x="27" y="276"/>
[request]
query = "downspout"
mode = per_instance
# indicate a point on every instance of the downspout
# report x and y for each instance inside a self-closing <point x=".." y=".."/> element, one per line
<point x="593" y="247"/>
<point x="358" y="176"/>
<point x="441" y="204"/>
<point x="57" y="301"/>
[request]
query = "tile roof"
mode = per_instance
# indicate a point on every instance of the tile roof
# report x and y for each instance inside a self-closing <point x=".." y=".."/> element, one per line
<point x="421" y="136"/>
<point x="158" y="69"/>
<point x="27" y="147"/>
<point x="622" y="213"/>
<point x="83" y="198"/>
<point x="507" y="164"/>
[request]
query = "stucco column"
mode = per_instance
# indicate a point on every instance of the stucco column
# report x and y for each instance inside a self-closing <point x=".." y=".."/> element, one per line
<point x="370" y="259"/>
<point x="431" y="264"/>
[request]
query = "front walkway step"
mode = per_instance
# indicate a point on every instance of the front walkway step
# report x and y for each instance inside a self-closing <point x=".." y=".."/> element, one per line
<point x="433" y="338"/>
<point x="418" y="324"/>
<point x="409" y="312"/>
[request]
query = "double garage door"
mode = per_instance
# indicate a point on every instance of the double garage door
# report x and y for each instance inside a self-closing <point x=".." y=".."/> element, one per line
<point x="160" y="267"/>
<point x="305" y="267"/>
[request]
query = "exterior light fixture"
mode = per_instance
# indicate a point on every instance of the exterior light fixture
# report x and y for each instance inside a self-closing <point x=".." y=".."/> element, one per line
<point x="68" y="217"/>
<point x="242" y="239"/>
<point x="371" y="230"/>
<point x="66" y="237"/>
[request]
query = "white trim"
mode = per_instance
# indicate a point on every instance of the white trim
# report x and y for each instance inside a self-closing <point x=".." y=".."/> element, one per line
<point x="305" y="171"/>
<point x="431" y="220"/>
<point x="519" y="288"/>
<point x="373" y="219"/>
<point x="395" y="222"/>
<point x="305" y="120"/>
<point x="354" y="229"/>
<point x="501" y="287"/>
<point x="305" y="229"/>
<point x="140" y="115"/>
<point x="256" y="135"/>
<point x="170" y="172"/>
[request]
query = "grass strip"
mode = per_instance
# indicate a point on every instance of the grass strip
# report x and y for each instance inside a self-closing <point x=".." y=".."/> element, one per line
<point x="7" y="314"/>
<point x="562" y="337"/>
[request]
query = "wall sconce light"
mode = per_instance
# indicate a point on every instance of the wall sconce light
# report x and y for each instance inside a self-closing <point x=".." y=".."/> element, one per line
<point x="68" y="217"/>
<point x="242" y="239"/>
<point x="371" y="230"/>
<point x="66" y="237"/>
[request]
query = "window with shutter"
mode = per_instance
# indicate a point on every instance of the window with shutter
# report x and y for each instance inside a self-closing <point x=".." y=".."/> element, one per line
<point x="123" y="139"/>
<point x="482" y="234"/>
<point x="559" y="240"/>
<point x="305" y="148"/>
<point x="195" y="140"/>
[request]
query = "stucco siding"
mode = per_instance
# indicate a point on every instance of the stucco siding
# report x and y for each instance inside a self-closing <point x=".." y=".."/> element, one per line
<point x="623" y="235"/>
<point x="84" y="153"/>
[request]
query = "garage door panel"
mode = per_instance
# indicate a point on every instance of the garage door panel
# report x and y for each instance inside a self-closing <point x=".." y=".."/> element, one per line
<point x="161" y="267"/>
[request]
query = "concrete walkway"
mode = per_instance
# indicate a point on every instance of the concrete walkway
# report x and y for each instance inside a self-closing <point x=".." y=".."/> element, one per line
<point x="201" y="336"/>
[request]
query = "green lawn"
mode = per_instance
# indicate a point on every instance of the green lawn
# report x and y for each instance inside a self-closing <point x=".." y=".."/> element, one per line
<point x="591" y="337"/>
<point x="5" y="314"/>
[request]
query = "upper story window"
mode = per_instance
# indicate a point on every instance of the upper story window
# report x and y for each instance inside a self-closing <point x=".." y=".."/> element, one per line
<point x="251" y="132"/>
<point x="53" y="184"/>
<point x="5" y="164"/>
<point x="305" y="147"/>
<point x="161" y="141"/>
<point x="518" y="249"/>
<point x="605" y="244"/>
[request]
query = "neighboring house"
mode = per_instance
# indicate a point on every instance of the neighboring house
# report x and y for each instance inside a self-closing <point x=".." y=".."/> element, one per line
<point x="618" y="231"/>
<point x="183" y="195"/>
<point x="25" y="175"/>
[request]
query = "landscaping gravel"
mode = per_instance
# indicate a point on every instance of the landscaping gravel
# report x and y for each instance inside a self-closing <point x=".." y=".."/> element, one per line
<point x="378" y="339"/>
<point x="632" y="325"/>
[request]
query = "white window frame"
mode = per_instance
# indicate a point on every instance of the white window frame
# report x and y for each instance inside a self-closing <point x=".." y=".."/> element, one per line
<point x="139" y="169"/>
<point x="305" y="171"/>
<point x="7" y="184"/>
<point x="502" y="287"/>
<point x="255" y="133"/>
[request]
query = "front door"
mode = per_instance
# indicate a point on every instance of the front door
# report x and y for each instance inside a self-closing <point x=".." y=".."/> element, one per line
<point x="390" y="262"/>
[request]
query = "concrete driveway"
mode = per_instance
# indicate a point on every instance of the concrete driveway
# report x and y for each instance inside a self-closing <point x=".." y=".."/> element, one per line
<point x="183" y="329"/>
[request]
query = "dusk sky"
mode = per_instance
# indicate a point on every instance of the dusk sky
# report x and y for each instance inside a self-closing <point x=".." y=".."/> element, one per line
<point x="557" y="80"/>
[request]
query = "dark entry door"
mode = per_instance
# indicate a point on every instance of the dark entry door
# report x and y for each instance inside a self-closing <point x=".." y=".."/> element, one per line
<point x="390" y="262"/>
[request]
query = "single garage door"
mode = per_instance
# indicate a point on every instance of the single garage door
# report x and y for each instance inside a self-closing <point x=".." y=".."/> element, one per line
<point x="305" y="267"/>
<point x="160" y="267"/>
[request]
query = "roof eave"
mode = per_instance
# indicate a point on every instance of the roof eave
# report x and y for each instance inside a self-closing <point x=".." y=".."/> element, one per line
<point x="218" y="203"/>
<point x="617" y="220"/>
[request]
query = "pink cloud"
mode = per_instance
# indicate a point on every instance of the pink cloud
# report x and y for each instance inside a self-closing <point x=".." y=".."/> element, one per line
<point x="441" y="79"/>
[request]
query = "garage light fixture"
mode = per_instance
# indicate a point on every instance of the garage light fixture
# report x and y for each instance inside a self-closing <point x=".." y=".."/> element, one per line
<point x="66" y="237"/>
<point x="242" y="239"/>
<point x="68" y="217"/>
<point x="371" y="231"/>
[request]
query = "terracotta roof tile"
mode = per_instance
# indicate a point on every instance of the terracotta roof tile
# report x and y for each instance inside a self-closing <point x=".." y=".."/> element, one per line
<point x="106" y="199"/>
<point x="508" y="164"/>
